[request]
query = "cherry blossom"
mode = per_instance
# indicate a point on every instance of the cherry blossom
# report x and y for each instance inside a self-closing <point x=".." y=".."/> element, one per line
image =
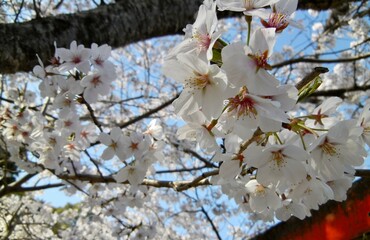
<point x="248" y="7"/>
<point x="75" y="57"/>
<point x="247" y="65"/>
<point x="280" y="16"/>
<point x="96" y="84"/>
<point x="204" y="85"/>
<point x="261" y="197"/>
<point x="335" y="154"/>
<point x="114" y="143"/>
<point x="278" y="165"/>
<point x="201" y="36"/>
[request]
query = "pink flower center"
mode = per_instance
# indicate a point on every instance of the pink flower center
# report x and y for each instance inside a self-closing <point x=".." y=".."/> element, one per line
<point x="276" y="20"/>
<point x="68" y="123"/>
<point x="261" y="60"/>
<point x="76" y="59"/>
<point x="99" y="61"/>
<point x="243" y="103"/>
<point x="203" y="41"/>
<point x="95" y="81"/>
<point x="198" y="82"/>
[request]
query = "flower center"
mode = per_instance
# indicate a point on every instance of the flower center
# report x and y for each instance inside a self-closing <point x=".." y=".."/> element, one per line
<point x="203" y="41"/>
<point x="114" y="145"/>
<point x="261" y="60"/>
<point x="260" y="190"/>
<point x="276" y="20"/>
<point x="243" y="103"/>
<point x="95" y="81"/>
<point x="134" y="146"/>
<point x="198" y="81"/>
<point x="328" y="148"/>
<point x="278" y="158"/>
<point x="76" y="59"/>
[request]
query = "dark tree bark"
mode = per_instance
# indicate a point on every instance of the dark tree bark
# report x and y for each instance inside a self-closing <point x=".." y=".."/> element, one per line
<point x="119" y="24"/>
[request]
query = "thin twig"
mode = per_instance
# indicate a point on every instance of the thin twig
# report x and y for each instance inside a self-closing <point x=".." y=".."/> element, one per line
<point x="212" y="224"/>
<point x="312" y="60"/>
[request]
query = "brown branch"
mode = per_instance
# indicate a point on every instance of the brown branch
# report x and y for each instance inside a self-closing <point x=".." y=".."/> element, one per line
<point x="11" y="190"/>
<point x="214" y="228"/>
<point x="92" y="115"/>
<point x="181" y="170"/>
<point x="150" y="112"/>
<point x="340" y="92"/>
<point x="312" y="60"/>
<point x="193" y="153"/>
<point x="118" y="24"/>
<point x="176" y="185"/>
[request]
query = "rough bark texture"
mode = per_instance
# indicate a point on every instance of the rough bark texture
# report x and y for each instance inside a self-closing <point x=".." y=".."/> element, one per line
<point x="119" y="24"/>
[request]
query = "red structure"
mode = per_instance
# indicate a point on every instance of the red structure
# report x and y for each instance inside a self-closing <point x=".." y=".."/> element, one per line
<point x="334" y="221"/>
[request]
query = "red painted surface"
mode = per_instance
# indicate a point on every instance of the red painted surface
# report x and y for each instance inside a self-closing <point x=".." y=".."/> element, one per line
<point x="347" y="221"/>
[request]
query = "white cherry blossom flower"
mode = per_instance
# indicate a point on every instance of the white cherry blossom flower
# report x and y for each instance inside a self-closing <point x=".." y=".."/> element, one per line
<point x="262" y="197"/>
<point x="291" y="208"/>
<point x="312" y="192"/>
<point x="99" y="59"/>
<point x="96" y="84"/>
<point x="69" y="124"/>
<point x="364" y="123"/>
<point x="248" y="7"/>
<point x="155" y="129"/>
<point x="72" y="150"/>
<point x="340" y="187"/>
<point x="232" y="160"/>
<point x="133" y="174"/>
<point x="75" y="57"/>
<point x="246" y="112"/>
<point x="196" y="130"/>
<point x="114" y="143"/>
<point x="205" y="86"/>
<point x="136" y="144"/>
<point x="280" y="17"/>
<point x="87" y="135"/>
<point x="202" y="35"/>
<point x="278" y="165"/>
<point x="335" y="153"/>
<point x="246" y="66"/>
<point x="320" y="117"/>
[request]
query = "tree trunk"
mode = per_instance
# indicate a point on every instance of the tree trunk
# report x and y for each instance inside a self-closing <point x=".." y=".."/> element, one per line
<point x="119" y="24"/>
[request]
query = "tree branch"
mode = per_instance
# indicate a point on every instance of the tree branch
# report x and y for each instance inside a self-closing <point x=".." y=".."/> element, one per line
<point x="118" y="24"/>
<point x="214" y="228"/>
<point x="312" y="60"/>
<point x="339" y="92"/>
<point x="176" y="185"/>
<point x="150" y="112"/>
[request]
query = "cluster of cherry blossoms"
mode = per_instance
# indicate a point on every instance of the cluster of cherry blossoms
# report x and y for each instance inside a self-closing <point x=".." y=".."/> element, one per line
<point x="58" y="136"/>
<point x="273" y="162"/>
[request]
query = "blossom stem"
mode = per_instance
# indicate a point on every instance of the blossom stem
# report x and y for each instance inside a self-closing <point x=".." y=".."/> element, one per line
<point x="212" y="124"/>
<point x="303" y="143"/>
<point x="249" y="22"/>
<point x="278" y="139"/>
